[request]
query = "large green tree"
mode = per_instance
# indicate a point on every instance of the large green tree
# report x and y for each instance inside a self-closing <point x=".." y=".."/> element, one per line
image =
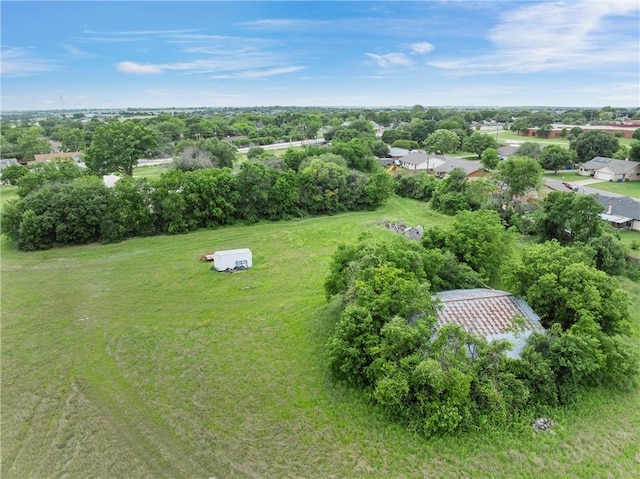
<point x="116" y="147"/>
<point x="562" y="286"/>
<point x="634" y="151"/>
<point x="73" y="139"/>
<point x="24" y="143"/>
<point x="554" y="157"/>
<point x="569" y="217"/>
<point x="478" y="142"/>
<point x="518" y="175"/>
<point x="592" y="143"/>
<point x="57" y="214"/>
<point x="441" y="142"/>
<point x="490" y="158"/>
<point x="478" y="239"/>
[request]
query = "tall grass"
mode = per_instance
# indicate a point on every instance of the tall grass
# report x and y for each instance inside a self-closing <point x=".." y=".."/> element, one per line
<point x="136" y="360"/>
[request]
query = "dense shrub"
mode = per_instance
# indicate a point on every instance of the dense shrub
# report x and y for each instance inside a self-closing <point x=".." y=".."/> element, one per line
<point x="57" y="214"/>
<point x="441" y="380"/>
<point x="418" y="187"/>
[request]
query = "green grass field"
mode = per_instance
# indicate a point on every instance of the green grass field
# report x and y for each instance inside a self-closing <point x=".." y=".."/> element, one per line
<point x="503" y="135"/>
<point x="135" y="360"/>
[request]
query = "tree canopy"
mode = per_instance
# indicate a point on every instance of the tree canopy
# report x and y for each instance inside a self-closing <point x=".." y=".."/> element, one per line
<point x="441" y="142"/>
<point x="554" y="157"/>
<point x="518" y="175"/>
<point x="592" y="143"/>
<point x="478" y="142"/>
<point x="562" y="286"/>
<point x="117" y="146"/>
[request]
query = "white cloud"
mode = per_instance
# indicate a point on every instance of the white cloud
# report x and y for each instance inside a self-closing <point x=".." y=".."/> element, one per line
<point x="555" y="36"/>
<point x="270" y="72"/>
<point x="421" y="48"/>
<point x="18" y="62"/>
<point x="74" y="51"/>
<point x="391" y="60"/>
<point x="280" y="24"/>
<point x="138" y="68"/>
<point x="243" y="68"/>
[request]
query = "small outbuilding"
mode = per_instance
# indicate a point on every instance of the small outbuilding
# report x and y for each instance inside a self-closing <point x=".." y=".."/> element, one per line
<point x="232" y="259"/>
<point x="491" y="314"/>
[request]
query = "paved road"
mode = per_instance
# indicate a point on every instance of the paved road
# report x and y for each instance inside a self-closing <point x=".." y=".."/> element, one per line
<point x="159" y="161"/>
<point x="558" y="186"/>
<point x="282" y="146"/>
<point x="275" y="146"/>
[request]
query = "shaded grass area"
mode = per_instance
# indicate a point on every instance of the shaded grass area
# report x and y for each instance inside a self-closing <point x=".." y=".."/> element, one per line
<point x="136" y="360"/>
<point x="631" y="239"/>
<point x="154" y="171"/>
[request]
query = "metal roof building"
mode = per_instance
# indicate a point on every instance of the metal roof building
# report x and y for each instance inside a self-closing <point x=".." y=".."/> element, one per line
<point x="489" y="313"/>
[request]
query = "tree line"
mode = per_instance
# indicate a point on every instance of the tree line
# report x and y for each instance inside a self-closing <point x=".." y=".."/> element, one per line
<point x="79" y="209"/>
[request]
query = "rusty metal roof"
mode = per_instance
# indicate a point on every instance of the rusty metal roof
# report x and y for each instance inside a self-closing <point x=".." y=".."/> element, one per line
<point x="485" y="312"/>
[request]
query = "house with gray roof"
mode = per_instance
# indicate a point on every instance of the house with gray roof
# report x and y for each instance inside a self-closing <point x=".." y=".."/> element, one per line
<point x="419" y="160"/>
<point x="620" y="212"/>
<point x="489" y="313"/>
<point x="610" y="169"/>
<point x="473" y="168"/>
<point x="397" y="153"/>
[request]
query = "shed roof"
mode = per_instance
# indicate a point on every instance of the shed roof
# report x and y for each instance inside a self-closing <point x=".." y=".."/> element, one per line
<point x="485" y="312"/>
<point x="231" y="252"/>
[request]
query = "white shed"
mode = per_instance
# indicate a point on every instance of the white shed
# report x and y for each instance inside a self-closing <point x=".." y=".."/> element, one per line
<point x="232" y="259"/>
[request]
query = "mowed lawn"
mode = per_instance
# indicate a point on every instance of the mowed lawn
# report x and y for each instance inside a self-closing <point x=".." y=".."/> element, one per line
<point x="136" y="360"/>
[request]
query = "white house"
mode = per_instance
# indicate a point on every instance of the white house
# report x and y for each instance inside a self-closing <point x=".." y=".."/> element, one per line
<point x="610" y="169"/>
<point x="418" y="160"/>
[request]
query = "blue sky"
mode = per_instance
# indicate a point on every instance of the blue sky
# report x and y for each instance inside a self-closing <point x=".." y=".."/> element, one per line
<point x="382" y="53"/>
